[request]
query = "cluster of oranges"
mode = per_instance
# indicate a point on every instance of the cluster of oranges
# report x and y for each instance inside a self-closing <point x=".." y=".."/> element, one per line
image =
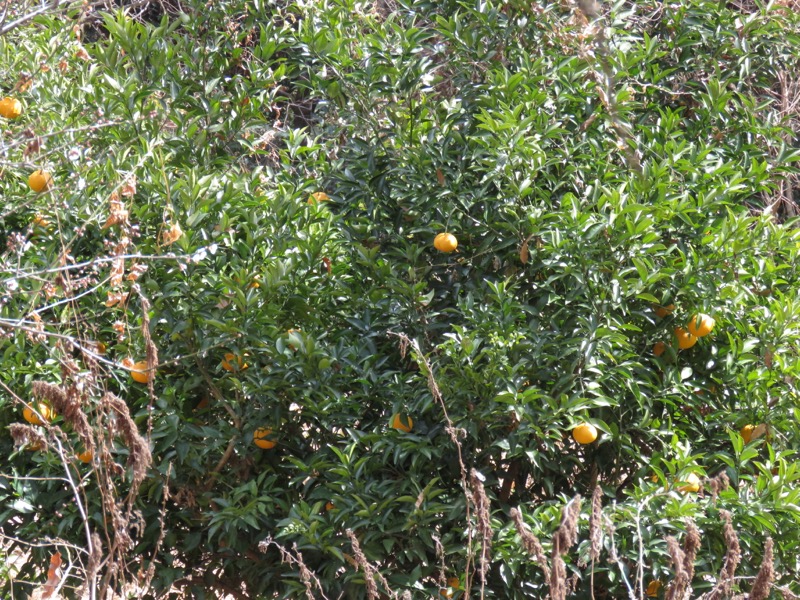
<point x="700" y="325"/>
<point x="39" y="181"/>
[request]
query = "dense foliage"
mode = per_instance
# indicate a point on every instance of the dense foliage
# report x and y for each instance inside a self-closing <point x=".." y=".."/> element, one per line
<point x="595" y="163"/>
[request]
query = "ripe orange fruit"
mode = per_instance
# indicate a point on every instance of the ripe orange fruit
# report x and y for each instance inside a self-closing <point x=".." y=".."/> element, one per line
<point x="39" y="181"/>
<point x="85" y="456"/>
<point x="692" y="483"/>
<point x="10" y="108"/>
<point x="446" y="593"/>
<point x="454" y="582"/>
<point x="329" y="505"/>
<point x="747" y="433"/>
<point x="701" y="325"/>
<point x="653" y="587"/>
<point x="585" y="433"/>
<point x="260" y="436"/>
<point x="40" y="221"/>
<point x="445" y="242"/>
<point x="659" y="348"/>
<point x="31" y="417"/>
<point x="230" y="357"/>
<point x="402" y="423"/>
<point x="318" y="197"/>
<point x="140" y="374"/>
<point x="685" y="339"/>
<point x="663" y="311"/>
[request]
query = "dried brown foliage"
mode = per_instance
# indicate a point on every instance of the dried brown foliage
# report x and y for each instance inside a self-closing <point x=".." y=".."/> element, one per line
<point x="307" y="577"/>
<point x="690" y="546"/>
<point x="530" y="542"/>
<point x="484" y="519"/>
<point x="24" y="434"/>
<point x="563" y="539"/>
<point x="69" y="404"/>
<point x="139" y="451"/>
<point x="766" y="574"/>
<point x="364" y="564"/>
<point x="733" y="556"/>
<point x="718" y="483"/>
<point x="677" y="588"/>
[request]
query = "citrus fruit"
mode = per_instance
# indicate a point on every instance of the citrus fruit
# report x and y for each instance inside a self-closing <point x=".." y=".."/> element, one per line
<point x="701" y="325"/>
<point x="40" y="181"/>
<point x="445" y="242"/>
<point x="653" y="587"/>
<point x="402" y="423"/>
<point x="329" y="505"/>
<point x="10" y="108"/>
<point x="40" y="221"/>
<point x="230" y="358"/>
<point x="85" y="456"/>
<point x="140" y="374"/>
<point x="685" y="339"/>
<point x="260" y="436"/>
<point x="663" y="311"/>
<point x="318" y="197"/>
<point x="454" y="582"/>
<point x="31" y="417"/>
<point x="659" y="348"/>
<point x="747" y="433"/>
<point x="585" y="433"/>
<point x="446" y="593"/>
<point x="692" y="483"/>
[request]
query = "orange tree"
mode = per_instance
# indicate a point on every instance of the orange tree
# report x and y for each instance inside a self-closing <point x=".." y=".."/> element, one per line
<point x="236" y="295"/>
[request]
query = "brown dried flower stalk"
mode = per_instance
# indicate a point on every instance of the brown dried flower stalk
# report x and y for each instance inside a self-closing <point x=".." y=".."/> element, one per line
<point x="733" y="556"/>
<point x="296" y="558"/>
<point x="67" y="403"/>
<point x="26" y="435"/>
<point x="140" y="457"/>
<point x="718" y="483"/>
<point x="766" y="574"/>
<point x="690" y="546"/>
<point x="677" y="588"/>
<point x="369" y="571"/>
<point x="483" y="514"/>
<point x="530" y="542"/>
<point x="566" y="535"/>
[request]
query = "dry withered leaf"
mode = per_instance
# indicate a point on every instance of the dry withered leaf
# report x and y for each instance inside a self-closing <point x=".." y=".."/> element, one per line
<point x="172" y="235"/>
